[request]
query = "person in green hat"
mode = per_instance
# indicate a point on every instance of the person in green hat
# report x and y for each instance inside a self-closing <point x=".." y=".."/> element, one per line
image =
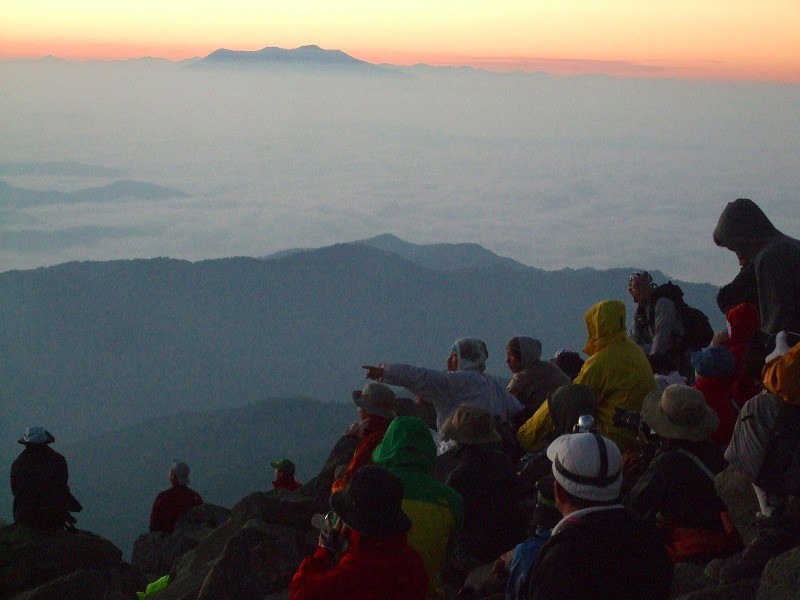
<point x="284" y="475"/>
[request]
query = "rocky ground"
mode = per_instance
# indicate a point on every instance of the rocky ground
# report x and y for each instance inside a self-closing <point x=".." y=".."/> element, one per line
<point x="251" y="552"/>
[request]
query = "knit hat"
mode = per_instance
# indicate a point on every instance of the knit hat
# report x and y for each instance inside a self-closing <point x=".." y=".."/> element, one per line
<point x="470" y="424"/>
<point x="588" y="466"/>
<point x="714" y="361"/>
<point x="680" y="413"/>
<point x="181" y="472"/>
<point x="377" y="399"/>
<point x="372" y="503"/>
<point x="36" y="435"/>
<point x="285" y="465"/>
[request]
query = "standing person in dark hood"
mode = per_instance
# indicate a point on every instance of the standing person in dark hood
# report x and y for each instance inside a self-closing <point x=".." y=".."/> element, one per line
<point x="770" y="261"/>
<point x="464" y="381"/>
<point x="39" y="478"/>
<point x="534" y="380"/>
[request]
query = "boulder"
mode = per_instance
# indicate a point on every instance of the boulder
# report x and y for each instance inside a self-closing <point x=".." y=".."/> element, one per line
<point x="781" y="577"/>
<point x="155" y="553"/>
<point x="319" y="488"/>
<point x="29" y="559"/>
<point x="278" y="535"/>
<point x="743" y="590"/>
<point x="259" y="559"/>
<point x="736" y="491"/>
<point x="118" y="584"/>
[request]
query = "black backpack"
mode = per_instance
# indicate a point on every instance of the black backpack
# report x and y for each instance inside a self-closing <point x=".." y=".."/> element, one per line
<point x="698" y="331"/>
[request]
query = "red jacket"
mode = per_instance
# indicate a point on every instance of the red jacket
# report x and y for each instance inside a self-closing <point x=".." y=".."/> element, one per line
<point x="744" y="322"/>
<point x="284" y="481"/>
<point x="170" y="505"/>
<point x="717" y="393"/>
<point x="370" y="569"/>
<point x="371" y="432"/>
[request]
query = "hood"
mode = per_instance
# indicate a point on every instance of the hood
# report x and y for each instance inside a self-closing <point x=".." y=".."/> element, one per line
<point x="569" y="402"/>
<point x="530" y="350"/>
<point x="407" y="443"/>
<point x="744" y="322"/>
<point x="605" y="323"/>
<point x="741" y="223"/>
<point x="472" y="354"/>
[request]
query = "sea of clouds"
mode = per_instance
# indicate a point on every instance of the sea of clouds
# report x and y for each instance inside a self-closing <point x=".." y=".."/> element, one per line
<point x="554" y="172"/>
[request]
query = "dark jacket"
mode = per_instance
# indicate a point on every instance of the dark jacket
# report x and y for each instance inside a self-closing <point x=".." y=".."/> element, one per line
<point x="42" y="498"/>
<point x="607" y="554"/>
<point x="677" y="494"/>
<point x="369" y="569"/>
<point x="170" y="505"/>
<point x="775" y="268"/>
<point x="533" y="385"/>
<point x="488" y="483"/>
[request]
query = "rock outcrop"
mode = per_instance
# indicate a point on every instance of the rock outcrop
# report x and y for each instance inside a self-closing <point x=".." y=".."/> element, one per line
<point x="63" y="564"/>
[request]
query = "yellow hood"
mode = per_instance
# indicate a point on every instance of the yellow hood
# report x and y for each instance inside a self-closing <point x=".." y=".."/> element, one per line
<point x="605" y="322"/>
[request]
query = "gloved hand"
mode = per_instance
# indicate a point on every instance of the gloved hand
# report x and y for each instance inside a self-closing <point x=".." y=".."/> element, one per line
<point x="781" y="347"/>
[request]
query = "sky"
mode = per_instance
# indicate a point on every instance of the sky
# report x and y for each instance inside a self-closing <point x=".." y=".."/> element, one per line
<point x="692" y="39"/>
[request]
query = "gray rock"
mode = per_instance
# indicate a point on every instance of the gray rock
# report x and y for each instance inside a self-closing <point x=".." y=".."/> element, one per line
<point x="781" y="577"/>
<point x="259" y="559"/>
<point x="736" y="491"/>
<point x="743" y="590"/>
<point x="29" y="559"/>
<point x="118" y="584"/>
<point x="688" y="578"/>
<point x="155" y="553"/>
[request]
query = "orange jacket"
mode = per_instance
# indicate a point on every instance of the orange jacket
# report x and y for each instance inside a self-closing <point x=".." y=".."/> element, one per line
<point x="782" y="376"/>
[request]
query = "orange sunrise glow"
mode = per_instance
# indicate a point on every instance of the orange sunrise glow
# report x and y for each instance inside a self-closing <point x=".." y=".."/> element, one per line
<point x="706" y="39"/>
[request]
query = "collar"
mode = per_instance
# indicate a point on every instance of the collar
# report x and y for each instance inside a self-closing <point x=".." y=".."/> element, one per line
<point x="574" y="518"/>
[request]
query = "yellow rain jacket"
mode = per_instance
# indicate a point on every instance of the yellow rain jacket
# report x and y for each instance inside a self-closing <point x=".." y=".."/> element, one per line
<point x="782" y="376"/>
<point x="617" y="371"/>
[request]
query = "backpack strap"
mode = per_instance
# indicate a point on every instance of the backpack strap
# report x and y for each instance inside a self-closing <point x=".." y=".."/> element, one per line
<point x="698" y="462"/>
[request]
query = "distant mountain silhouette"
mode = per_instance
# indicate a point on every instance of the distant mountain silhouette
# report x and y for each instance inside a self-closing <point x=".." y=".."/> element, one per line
<point x="68" y="168"/>
<point x="15" y="197"/>
<point x="304" y="55"/>
<point x="92" y="347"/>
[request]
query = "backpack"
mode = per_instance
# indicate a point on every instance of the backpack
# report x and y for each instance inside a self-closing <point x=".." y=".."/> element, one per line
<point x="698" y="331"/>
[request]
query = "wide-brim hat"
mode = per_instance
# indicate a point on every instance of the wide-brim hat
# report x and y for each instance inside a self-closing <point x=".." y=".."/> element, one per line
<point x="371" y="504"/>
<point x="680" y="413"/>
<point x="377" y="399"/>
<point x="470" y="424"/>
<point x="35" y="436"/>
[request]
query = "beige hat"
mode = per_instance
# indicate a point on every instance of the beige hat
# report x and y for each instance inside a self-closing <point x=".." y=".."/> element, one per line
<point x="680" y="413"/>
<point x="377" y="399"/>
<point x="470" y="424"/>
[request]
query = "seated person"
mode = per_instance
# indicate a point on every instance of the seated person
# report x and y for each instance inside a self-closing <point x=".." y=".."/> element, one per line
<point x="464" y="381"/>
<point x="435" y="509"/>
<point x="676" y="492"/>
<point x="534" y="379"/>
<point x="617" y="371"/>
<point x="375" y="412"/>
<point x="569" y="362"/>
<point x="600" y="548"/>
<point x="765" y="448"/>
<point x="378" y="562"/>
<point x="714" y="368"/>
<point x="488" y="484"/>
<point x="566" y="405"/>
<point x="284" y="475"/>
<point x="170" y="505"/>
<point x="39" y="477"/>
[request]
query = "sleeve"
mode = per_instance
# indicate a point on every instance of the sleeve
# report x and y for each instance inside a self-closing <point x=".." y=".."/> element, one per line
<point x="437" y="386"/>
<point x="532" y="433"/>
<point x="594" y="377"/>
<point x="666" y="320"/>
<point x="782" y="376"/>
<point x="316" y="580"/>
<point x="741" y="289"/>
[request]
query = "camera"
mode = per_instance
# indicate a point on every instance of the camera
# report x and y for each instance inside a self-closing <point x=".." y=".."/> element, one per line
<point x="627" y="419"/>
<point x="585" y="424"/>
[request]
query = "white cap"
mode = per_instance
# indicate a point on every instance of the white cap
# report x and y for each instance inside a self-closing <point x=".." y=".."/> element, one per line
<point x="181" y="472"/>
<point x="587" y="465"/>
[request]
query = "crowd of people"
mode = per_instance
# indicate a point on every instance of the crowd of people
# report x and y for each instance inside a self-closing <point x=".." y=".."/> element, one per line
<point x="580" y="479"/>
